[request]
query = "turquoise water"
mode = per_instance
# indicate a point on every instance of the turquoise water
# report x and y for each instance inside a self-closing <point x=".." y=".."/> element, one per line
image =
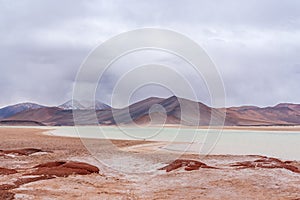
<point x="280" y="144"/>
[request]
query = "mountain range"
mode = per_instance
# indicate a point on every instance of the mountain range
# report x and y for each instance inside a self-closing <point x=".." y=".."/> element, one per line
<point x="172" y="110"/>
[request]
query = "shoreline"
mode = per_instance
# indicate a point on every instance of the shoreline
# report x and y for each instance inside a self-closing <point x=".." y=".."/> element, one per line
<point x="228" y="142"/>
<point x="246" y="128"/>
<point x="135" y="145"/>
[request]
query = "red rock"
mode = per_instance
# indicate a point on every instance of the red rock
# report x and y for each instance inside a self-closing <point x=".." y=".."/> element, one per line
<point x="59" y="171"/>
<point x="5" y="171"/>
<point x="51" y="164"/>
<point x="81" y="165"/>
<point x="25" y="152"/>
<point x="7" y="186"/>
<point x="46" y="171"/>
<point x="64" y="169"/>
<point x="188" y="164"/>
<point x="23" y="181"/>
<point x="5" y="195"/>
<point x="268" y="163"/>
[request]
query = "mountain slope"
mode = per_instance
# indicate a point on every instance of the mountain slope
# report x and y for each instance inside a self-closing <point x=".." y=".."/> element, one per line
<point x="71" y="105"/>
<point x="101" y="106"/>
<point x="172" y="110"/>
<point x="14" y="109"/>
<point x="76" y="105"/>
<point x="51" y="116"/>
<point x="281" y="114"/>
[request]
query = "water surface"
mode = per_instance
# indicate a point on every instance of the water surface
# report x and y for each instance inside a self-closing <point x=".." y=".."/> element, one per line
<point x="280" y="144"/>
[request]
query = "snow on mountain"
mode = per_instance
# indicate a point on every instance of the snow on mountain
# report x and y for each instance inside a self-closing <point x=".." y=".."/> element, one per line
<point x="101" y="106"/>
<point x="76" y="105"/>
<point x="17" y="108"/>
<point x="71" y="105"/>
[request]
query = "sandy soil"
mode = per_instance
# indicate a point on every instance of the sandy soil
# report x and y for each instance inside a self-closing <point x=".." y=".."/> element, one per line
<point x="224" y="181"/>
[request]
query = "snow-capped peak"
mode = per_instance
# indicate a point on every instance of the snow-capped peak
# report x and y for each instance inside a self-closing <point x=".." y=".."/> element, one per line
<point x="76" y="105"/>
<point x="71" y="105"/>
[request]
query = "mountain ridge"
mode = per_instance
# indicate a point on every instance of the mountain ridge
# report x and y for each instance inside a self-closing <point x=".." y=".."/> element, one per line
<point x="11" y="110"/>
<point x="169" y="110"/>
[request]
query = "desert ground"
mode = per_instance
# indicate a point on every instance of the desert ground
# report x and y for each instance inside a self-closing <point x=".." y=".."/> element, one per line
<point x="39" y="166"/>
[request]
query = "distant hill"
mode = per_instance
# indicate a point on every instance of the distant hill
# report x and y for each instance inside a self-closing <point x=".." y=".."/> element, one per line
<point x="51" y="116"/>
<point x="281" y="114"/>
<point x="295" y="107"/>
<point x="14" y="109"/>
<point x="148" y="110"/>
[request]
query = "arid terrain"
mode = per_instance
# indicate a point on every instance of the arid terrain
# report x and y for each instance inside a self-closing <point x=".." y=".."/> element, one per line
<point x="38" y="166"/>
<point x="196" y="114"/>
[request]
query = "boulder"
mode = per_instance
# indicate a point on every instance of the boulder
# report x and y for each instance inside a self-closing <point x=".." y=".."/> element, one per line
<point x="188" y="165"/>
<point x="64" y="169"/>
<point x="5" y="171"/>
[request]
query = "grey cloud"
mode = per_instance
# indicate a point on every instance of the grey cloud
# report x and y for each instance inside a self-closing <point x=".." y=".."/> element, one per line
<point x="255" y="44"/>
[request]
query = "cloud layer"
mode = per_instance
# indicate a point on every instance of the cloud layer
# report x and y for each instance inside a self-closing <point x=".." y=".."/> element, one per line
<point x="254" y="44"/>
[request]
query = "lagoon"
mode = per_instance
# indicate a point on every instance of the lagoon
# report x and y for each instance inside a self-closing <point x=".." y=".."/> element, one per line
<point x="279" y="144"/>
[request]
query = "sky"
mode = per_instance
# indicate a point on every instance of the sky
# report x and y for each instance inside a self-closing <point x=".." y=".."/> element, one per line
<point x="255" y="45"/>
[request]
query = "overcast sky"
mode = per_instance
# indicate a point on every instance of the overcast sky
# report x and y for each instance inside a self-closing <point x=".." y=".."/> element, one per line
<point x="254" y="44"/>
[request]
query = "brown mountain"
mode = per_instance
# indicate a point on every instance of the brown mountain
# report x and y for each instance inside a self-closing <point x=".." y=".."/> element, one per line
<point x="172" y="110"/>
<point x="281" y="114"/>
